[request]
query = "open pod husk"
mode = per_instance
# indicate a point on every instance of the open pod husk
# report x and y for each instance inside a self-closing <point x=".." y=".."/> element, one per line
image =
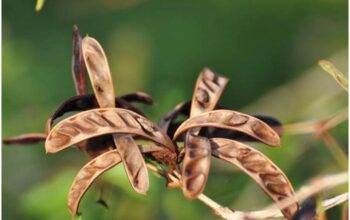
<point x="261" y="169"/>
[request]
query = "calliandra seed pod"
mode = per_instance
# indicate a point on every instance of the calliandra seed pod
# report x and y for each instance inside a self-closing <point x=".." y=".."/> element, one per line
<point x="168" y="119"/>
<point x="195" y="169"/>
<point x="103" y="121"/>
<point x="262" y="170"/>
<point x="101" y="81"/>
<point x="87" y="175"/>
<point x="78" y="64"/>
<point x="134" y="166"/>
<point x="169" y="123"/>
<point x="196" y="165"/>
<point x="94" y="169"/>
<point x="87" y="102"/>
<point x="208" y="90"/>
<point x="30" y="138"/>
<point x="99" y="73"/>
<point x="232" y="120"/>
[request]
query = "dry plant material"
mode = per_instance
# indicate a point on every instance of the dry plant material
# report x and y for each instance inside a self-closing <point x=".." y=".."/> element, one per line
<point x="196" y="161"/>
<point x="107" y="128"/>
<point x="262" y="170"/>
<point x="88" y="174"/>
<point x="232" y="120"/>
<point x="101" y="81"/>
<point x="29" y="138"/>
<point x="101" y="121"/>
<point x="78" y="64"/>
<point x="196" y="164"/>
<point x="335" y="73"/>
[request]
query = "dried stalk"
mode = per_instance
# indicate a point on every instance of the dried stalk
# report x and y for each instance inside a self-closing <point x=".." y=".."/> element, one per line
<point x="317" y="185"/>
<point x="29" y="138"/>
<point x="316" y="127"/>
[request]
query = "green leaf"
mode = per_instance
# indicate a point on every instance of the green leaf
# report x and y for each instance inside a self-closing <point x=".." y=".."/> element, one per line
<point x="333" y="71"/>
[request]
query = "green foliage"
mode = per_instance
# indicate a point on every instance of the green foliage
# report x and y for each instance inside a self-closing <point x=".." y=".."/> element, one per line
<point x="269" y="50"/>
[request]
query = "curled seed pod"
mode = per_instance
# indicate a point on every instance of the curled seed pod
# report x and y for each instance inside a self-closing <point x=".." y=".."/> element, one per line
<point x="88" y="174"/>
<point x="103" y="121"/>
<point x="196" y="165"/>
<point x="92" y="170"/>
<point x="87" y="102"/>
<point x="30" y="138"/>
<point x="140" y="97"/>
<point x="134" y="164"/>
<point x="78" y="65"/>
<point x="169" y="124"/>
<point x="168" y="119"/>
<point x="208" y="90"/>
<point x="195" y="170"/>
<point x="233" y="121"/>
<point x="101" y="82"/>
<point x="98" y="69"/>
<point x="262" y="170"/>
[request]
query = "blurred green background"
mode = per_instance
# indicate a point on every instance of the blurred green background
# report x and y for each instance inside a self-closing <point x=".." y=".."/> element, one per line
<point x="268" y="49"/>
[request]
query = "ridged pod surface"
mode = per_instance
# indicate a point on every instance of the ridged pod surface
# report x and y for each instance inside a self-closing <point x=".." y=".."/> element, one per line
<point x="232" y="120"/>
<point x="262" y="170"/>
<point x="196" y="165"/>
<point x="88" y="174"/>
<point x="207" y="92"/>
<point x="103" y="121"/>
<point x="101" y="81"/>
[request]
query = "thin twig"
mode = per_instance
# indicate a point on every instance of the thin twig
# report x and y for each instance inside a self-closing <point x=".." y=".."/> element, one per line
<point x="315" y="186"/>
<point x="335" y="149"/>
<point x="316" y="127"/>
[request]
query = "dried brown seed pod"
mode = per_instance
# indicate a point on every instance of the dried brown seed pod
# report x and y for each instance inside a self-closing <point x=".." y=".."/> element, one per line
<point x="99" y="73"/>
<point x="134" y="166"/>
<point x="262" y="170"/>
<point x="78" y="65"/>
<point x="196" y="165"/>
<point x="208" y="90"/>
<point x="101" y="81"/>
<point x="169" y="124"/>
<point x="232" y="120"/>
<point x="102" y="121"/>
<point x="29" y="138"/>
<point x="87" y="102"/>
<point x="87" y="175"/>
<point x="94" y="169"/>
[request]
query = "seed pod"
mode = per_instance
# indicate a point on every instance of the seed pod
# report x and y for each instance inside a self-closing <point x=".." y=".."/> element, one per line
<point x="195" y="170"/>
<point x="196" y="165"/>
<point x="101" y="82"/>
<point x="262" y="170"/>
<point x="140" y="97"/>
<point x="168" y="119"/>
<point x="30" y="138"/>
<point x="169" y="124"/>
<point x="94" y="169"/>
<point x="99" y="73"/>
<point x="87" y="102"/>
<point x="88" y="174"/>
<point x="133" y="163"/>
<point x="233" y="121"/>
<point x="208" y="90"/>
<point x="103" y="121"/>
<point x="78" y="65"/>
